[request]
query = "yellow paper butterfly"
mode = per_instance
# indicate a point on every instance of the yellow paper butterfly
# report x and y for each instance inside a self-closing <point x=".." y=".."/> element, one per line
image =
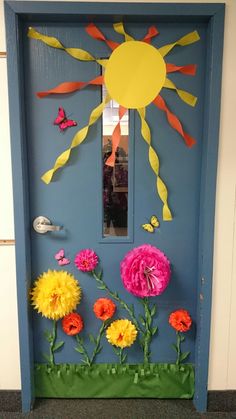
<point x="150" y="227"/>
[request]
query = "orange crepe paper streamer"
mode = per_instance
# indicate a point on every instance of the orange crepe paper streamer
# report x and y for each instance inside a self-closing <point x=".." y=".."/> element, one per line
<point x="152" y="31"/>
<point x="190" y="69"/>
<point x="174" y="121"/>
<point x="70" y="86"/>
<point x="116" y="138"/>
<point x="95" y="33"/>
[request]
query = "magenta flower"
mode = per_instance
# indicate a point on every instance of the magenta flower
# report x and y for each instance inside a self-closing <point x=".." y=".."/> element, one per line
<point x="86" y="260"/>
<point x="145" y="271"/>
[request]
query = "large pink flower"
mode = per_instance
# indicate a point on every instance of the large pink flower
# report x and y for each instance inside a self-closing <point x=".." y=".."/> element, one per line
<point x="86" y="260"/>
<point x="145" y="271"/>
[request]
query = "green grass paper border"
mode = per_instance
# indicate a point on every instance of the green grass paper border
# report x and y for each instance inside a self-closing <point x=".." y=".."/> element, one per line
<point x="114" y="381"/>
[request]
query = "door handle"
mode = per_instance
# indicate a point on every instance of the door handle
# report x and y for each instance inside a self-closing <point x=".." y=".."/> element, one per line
<point x="42" y="225"/>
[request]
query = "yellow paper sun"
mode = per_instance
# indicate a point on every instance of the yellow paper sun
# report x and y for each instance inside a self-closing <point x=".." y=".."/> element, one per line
<point x="135" y="73"/>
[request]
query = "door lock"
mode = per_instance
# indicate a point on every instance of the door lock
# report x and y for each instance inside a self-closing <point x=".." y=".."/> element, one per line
<point x="42" y="225"/>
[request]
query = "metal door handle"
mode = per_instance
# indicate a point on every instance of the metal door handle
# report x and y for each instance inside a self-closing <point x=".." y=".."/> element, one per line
<point x="42" y="225"/>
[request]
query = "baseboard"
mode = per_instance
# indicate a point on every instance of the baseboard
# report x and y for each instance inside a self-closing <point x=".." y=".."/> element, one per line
<point x="218" y="401"/>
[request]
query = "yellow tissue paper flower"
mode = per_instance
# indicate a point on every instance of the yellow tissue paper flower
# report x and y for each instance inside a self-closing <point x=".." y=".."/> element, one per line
<point x="121" y="333"/>
<point x="55" y="294"/>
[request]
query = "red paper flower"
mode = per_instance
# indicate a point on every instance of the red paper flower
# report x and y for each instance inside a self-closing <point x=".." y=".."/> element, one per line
<point x="86" y="260"/>
<point x="72" y="324"/>
<point x="180" y="320"/>
<point x="104" y="308"/>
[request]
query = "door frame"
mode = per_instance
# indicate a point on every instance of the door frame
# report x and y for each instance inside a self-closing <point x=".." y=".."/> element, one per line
<point x="16" y="13"/>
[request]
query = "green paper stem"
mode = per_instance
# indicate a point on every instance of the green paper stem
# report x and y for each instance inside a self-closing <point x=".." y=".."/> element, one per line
<point x="116" y="297"/>
<point x="121" y="355"/>
<point x="148" y="331"/>
<point x="82" y="350"/>
<point x="54" y="346"/>
<point x="178" y="345"/>
<point x="98" y="340"/>
<point x="52" y="343"/>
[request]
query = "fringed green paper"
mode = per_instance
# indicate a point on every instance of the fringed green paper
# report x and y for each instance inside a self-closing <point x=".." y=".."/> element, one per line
<point x="115" y="381"/>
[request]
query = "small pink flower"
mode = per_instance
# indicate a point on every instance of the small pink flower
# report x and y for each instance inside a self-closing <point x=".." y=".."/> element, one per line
<point x="86" y="260"/>
<point x="145" y="271"/>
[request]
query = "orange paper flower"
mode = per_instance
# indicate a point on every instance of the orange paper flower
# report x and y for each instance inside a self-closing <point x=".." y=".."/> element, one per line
<point x="180" y="320"/>
<point x="104" y="308"/>
<point x="72" y="324"/>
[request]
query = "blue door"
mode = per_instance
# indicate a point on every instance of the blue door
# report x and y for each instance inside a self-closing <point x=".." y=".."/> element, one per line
<point x="107" y="208"/>
<point x="127" y="189"/>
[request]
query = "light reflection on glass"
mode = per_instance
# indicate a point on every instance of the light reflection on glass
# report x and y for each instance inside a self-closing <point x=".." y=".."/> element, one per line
<point x="115" y="179"/>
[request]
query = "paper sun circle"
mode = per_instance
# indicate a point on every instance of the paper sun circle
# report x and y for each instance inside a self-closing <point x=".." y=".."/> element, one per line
<point x="135" y="74"/>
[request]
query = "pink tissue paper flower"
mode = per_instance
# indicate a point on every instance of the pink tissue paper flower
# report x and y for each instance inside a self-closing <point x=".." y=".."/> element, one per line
<point x="145" y="271"/>
<point x="86" y="260"/>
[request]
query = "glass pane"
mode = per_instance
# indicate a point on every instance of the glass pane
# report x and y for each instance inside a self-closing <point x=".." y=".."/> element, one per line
<point x="115" y="179"/>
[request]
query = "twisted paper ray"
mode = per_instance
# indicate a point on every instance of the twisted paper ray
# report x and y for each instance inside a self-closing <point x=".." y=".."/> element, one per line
<point x="70" y="86"/>
<point x="154" y="163"/>
<point x="189" y="69"/>
<point x="152" y="32"/>
<point x="116" y="135"/>
<point x="188" y="39"/>
<point x="185" y="96"/>
<point x="119" y="28"/>
<point x="174" y="121"/>
<point x="77" y="53"/>
<point x="95" y="33"/>
<point x="77" y="140"/>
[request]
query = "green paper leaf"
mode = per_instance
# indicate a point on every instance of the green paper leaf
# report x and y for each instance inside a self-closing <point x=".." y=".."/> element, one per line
<point x="99" y="274"/>
<point x="123" y="358"/>
<point x="80" y="350"/>
<point x="149" y="320"/>
<point x="101" y="287"/>
<point x="142" y="321"/>
<point x="174" y="347"/>
<point x="183" y="356"/>
<point x="182" y="338"/>
<point x="154" y="330"/>
<point x="58" y="346"/>
<point x="92" y="338"/>
<point x="47" y="357"/>
<point x="98" y="350"/>
<point x="116" y="350"/>
<point x="86" y="361"/>
<point x="141" y="300"/>
<point x="153" y="310"/>
<point x="79" y="339"/>
<point x="48" y="336"/>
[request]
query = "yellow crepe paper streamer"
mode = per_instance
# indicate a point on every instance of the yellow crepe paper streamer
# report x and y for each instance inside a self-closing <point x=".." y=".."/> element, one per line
<point x="79" y="54"/>
<point x="77" y="140"/>
<point x="119" y="28"/>
<point x="188" y="39"/>
<point x="185" y="96"/>
<point x="154" y="163"/>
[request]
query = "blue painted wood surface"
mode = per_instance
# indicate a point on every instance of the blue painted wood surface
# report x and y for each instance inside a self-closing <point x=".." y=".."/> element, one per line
<point x="21" y="204"/>
<point x="44" y="67"/>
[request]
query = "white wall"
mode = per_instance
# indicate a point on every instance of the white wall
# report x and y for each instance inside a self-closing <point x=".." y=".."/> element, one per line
<point x="222" y="373"/>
